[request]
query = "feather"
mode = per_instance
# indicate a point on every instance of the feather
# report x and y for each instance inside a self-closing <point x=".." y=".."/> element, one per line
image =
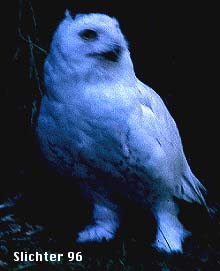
<point x="98" y="122"/>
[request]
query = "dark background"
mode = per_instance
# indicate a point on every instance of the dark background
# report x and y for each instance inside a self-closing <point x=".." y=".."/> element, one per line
<point x="174" y="50"/>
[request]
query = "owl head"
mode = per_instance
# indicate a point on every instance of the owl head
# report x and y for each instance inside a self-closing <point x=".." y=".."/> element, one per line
<point x="90" y="44"/>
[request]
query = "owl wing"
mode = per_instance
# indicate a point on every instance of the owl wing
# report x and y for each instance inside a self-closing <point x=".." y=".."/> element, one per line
<point x="155" y="140"/>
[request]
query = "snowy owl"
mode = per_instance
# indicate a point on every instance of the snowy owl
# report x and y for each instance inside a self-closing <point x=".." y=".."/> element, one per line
<point x="99" y="123"/>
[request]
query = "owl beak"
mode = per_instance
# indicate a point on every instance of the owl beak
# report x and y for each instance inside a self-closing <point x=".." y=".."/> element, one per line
<point x="112" y="55"/>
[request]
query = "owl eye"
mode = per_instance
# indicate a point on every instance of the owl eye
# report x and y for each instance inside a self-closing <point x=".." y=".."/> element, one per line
<point x="88" y="34"/>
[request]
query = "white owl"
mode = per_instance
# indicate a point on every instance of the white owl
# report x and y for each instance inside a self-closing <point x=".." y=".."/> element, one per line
<point x="98" y="122"/>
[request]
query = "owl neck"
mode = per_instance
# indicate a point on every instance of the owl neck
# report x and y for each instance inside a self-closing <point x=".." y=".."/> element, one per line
<point x="70" y="75"/>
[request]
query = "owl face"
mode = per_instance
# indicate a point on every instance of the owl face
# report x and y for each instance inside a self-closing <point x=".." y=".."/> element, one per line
<point x="90" y="39"/>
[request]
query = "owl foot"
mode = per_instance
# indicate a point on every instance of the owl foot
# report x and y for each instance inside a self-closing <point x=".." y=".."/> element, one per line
<point x="170" y="233"/>
<point x="104" y="227"/>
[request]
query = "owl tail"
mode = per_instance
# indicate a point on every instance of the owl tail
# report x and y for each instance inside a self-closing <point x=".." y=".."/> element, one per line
<point x="192" y="190"/>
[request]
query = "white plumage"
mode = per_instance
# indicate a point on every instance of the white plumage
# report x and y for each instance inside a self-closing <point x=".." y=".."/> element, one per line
<point x="98" y="122"/>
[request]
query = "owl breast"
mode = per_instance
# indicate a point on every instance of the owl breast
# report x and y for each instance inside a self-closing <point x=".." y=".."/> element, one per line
<point x="80" y="140"/>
